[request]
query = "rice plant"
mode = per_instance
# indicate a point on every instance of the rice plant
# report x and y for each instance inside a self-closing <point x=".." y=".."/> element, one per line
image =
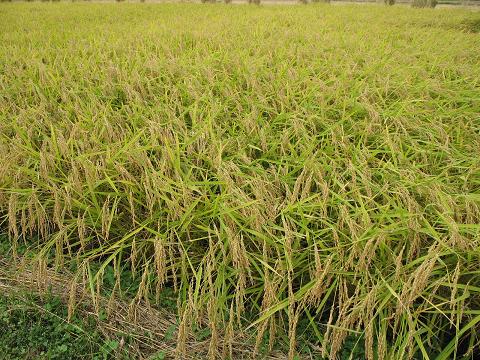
<point x="275" y="166"/>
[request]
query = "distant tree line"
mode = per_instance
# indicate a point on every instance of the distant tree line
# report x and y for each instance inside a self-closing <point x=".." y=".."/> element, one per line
<point x="414" y="3"/>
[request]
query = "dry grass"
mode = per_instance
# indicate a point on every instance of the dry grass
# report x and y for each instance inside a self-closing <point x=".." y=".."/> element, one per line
<point x="285" y="162"/>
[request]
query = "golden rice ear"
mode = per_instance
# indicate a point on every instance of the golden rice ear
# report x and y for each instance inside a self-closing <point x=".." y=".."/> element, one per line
<point x="293" y="317"/>
<point x="382" y="344"/>
<point x="31" y="214"/>
<point x="12" y="221"/>
<point x="39" y="271"/>
<point x="229" y="335"/>
<point x="186" y="319"/>
<point x="369" y="341"/>
<point x="72" y="298"/>
<point x="272" y="333"/>
<point x="399" y="264"/>
<point x="327" y="339"/>
<point x="23" y="224"/>
<point x="174" y="268"/>
<point x="322" y="280"/>
<point x="144" y="287"/>
<point x="454" y="288"/>
<point x="134" y="256"/>
<point x="212" y="324"/>
<point x="132" y="206"/>
<point x="59" y="208"/>
<point x="105" y="217"/>
<point x="81" y="229"/>
<point x="98" y="278"/>
<point x="160" y="260"/>
<point x="60" y="242"/>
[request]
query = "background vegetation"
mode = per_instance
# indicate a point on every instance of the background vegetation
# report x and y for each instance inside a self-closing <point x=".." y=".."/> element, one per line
<point x="291" y="172"/>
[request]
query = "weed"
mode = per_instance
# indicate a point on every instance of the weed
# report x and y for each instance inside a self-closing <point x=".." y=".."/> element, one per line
<point x="31" y="328"/>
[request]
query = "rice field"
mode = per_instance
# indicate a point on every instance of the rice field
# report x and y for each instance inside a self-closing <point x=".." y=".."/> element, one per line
<point x="307" y="175"/>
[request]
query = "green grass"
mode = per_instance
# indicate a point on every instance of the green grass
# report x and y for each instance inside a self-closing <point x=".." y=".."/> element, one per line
<point x="313" y="169"/>
<point x="34" y="328"/>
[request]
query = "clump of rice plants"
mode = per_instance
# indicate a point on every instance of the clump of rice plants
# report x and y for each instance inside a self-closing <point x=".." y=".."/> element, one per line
<point x="275" y="166"/>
